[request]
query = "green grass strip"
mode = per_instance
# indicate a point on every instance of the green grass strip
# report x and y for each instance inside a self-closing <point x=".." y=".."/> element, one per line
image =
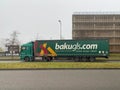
<point x="40" y="65"/>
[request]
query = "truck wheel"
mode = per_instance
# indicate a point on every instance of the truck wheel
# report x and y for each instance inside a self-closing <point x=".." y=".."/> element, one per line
<point x="84" y="59"/>
<point x="46" y="59"/>
<point x="27" y="59"/>
<point x="80" y="59"/>
<point x="92" y="59"/>
<point x="49" y="59"/>
<point x="88" y="59"/>
<point x="76" y="59"/>
<point x="33" y="59"/>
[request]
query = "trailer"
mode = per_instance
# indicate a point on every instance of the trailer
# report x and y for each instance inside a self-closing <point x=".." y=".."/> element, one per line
<point x="78" y="50"/>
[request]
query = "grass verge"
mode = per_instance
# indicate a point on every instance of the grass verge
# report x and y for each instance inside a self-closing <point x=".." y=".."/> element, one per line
<point x="59" y="65"/>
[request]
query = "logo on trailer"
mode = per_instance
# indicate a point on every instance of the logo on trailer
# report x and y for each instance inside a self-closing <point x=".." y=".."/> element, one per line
<point x="47" y="50"/>
<point x="75" y="46"/>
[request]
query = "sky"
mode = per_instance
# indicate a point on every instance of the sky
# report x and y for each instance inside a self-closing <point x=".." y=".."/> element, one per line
<point x="38" y="19"/>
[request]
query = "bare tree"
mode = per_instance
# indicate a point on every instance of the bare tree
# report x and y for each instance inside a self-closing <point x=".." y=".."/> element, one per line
<point x="2" y="44"/>
<point x="12" y="41"/>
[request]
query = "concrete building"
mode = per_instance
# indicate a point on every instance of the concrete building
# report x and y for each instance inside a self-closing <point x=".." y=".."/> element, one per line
<point x="97" y="25"/>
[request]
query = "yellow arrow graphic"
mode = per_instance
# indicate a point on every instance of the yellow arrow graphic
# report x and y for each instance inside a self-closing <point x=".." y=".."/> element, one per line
<point x="51" y="51"/>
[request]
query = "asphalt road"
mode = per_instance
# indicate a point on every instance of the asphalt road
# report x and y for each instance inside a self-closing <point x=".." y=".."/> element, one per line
<point x="60" y="80"/>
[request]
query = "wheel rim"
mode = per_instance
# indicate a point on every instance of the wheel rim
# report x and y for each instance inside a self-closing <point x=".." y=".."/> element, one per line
<point x="27" y="59"/>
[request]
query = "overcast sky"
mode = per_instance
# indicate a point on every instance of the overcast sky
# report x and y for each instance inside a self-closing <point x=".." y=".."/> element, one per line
<point x="38" y="19"/>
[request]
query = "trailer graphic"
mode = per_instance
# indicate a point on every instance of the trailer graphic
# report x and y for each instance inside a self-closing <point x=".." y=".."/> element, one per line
<point x="45" y="50"/>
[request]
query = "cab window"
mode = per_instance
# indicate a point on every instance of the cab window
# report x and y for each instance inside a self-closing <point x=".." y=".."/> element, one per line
<point x="23" y="48"/>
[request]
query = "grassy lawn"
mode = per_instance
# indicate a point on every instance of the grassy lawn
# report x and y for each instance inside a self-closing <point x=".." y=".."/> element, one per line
<point x="40" y="65"/>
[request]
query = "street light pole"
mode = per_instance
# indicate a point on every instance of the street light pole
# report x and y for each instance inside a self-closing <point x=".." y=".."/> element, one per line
<point x="60" y="29"/>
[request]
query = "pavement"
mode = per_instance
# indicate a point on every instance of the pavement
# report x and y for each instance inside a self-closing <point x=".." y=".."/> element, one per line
<point x="60" y="80"/>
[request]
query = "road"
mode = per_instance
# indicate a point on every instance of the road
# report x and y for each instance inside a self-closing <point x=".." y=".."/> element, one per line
<point x="60" y="80"/>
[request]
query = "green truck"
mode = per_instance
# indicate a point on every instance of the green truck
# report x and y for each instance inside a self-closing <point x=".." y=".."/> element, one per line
<point x="78" y="50"/>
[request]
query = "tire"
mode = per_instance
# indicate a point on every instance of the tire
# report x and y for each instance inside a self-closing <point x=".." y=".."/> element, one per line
<point x="76" y="59"/>
<point x="49" y="59"/>
<point x="92" y="59"/>
<point x="84" y="59"/>
<point x="44" y="59"/>
<point x="33" y="59"/>
<point x="87" y="59"/>
<point x="27" y="59"/>
<point x="80" y="59"/>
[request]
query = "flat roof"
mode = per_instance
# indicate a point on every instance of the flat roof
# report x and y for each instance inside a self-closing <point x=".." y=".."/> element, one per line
<point x="96" y="13"/>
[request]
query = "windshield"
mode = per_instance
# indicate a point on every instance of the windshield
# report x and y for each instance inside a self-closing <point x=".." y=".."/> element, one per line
<point x="23" y="48"/>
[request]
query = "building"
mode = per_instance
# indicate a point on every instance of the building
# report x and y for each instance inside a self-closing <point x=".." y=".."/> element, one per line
<point x="97" y="25"/>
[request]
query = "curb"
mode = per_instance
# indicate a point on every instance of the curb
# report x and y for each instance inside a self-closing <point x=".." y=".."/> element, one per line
<point x="63" y="69"/>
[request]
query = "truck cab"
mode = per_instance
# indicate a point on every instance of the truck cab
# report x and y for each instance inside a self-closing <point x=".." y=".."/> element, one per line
<point x="26" y="53"/>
